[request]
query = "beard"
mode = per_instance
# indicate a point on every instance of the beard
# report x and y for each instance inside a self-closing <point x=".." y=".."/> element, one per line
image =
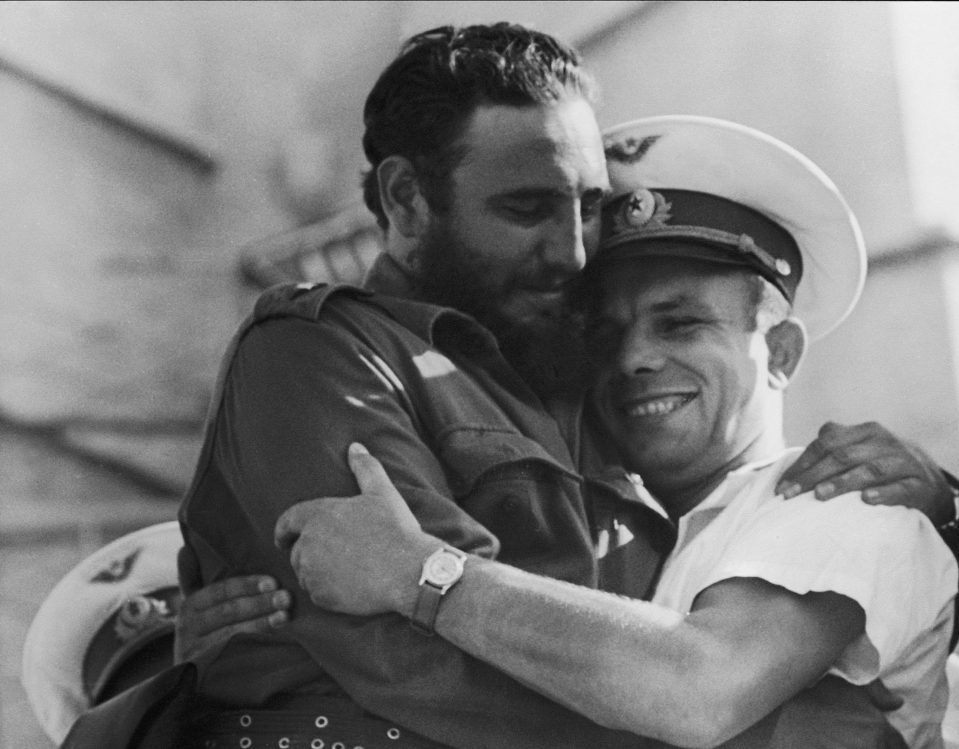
<point x="547" y="350"/>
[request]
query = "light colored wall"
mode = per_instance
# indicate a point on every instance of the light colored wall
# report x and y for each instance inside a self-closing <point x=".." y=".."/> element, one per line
<point x="894" y="360"/>
<point x="120" y="255"/>
<point x="819" y="76"/>
<point x="120" y="284"/>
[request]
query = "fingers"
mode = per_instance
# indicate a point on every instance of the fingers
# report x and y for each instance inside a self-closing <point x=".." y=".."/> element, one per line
<point x="246" y="613"/>
<point x="869" y="458"/>
<point x="843" y="458"/>
<point x="213" y="614"/>
<point x="903" y="492"/>
<point x="224" y="591"/>
<point x="188" y="645"/>
<point x="864" y="477"/>
<point x="830" y="446"/>
<point x="369" y="472"/>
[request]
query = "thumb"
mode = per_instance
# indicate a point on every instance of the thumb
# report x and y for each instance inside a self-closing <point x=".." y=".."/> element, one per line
<point x="882" y="698"/>
<point x="287" y="528"/>
<point x="369" y="472"/>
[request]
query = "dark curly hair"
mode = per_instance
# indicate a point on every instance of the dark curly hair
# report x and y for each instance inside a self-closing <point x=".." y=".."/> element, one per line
<point x="419" y="107"/>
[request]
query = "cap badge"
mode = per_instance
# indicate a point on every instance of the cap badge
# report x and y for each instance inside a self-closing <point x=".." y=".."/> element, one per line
<point x="139" y="614"/>
<point x="644" y="209"/>
<point x="630" y="150"/>
<point x="117" y="570"/>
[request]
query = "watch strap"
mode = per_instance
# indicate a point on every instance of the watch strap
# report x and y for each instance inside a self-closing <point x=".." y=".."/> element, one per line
<point x="427" y="606"/>
<point x="434" y="583"/>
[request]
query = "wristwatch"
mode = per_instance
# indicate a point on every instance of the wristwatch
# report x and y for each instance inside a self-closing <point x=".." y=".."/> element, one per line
<point x="441" y="571"/>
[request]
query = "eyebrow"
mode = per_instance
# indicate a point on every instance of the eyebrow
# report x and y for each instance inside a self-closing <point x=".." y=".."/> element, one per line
<point x="525" y="193"/>
<point x="685" y="302"/>
<point x="528" y="192"/>
<point x="675" y="302"/>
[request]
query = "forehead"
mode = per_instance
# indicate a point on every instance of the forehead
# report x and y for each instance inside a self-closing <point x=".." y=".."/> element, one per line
<point x="649" y="285"/>
<point x="552" y="147"/>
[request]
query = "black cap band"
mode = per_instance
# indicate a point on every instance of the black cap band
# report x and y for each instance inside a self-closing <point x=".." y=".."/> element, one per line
<point x="715" y="229"/>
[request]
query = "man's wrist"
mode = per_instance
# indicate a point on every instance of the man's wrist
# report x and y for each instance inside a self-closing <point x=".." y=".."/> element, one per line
<point x="408" y="566"/>
<point x="951" y="525"/>
<point x="441" y="570"/>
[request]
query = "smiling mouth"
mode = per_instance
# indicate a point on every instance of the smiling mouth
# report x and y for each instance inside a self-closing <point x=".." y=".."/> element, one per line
<point x="552" y="292"/>
<point x="659" y="406"/>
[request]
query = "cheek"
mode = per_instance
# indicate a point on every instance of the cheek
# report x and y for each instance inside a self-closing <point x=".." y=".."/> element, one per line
<point x="504" y="249"/>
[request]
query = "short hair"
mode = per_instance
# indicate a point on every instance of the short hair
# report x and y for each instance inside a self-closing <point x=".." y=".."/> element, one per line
<point x="420" y="105"/>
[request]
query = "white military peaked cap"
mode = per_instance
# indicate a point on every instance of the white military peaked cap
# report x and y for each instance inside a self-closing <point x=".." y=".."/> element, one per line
<point x="105" y="625"/>
<point x="741" y="197"/>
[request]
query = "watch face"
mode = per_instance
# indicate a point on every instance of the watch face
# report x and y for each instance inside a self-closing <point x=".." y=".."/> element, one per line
<point x="443" y="568"/>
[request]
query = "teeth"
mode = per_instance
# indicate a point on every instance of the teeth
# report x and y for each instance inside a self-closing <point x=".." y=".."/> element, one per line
<point x="657" y="407"/>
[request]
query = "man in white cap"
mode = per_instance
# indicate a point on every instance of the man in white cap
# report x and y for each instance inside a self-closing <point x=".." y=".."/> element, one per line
<point x="721" y="249"/>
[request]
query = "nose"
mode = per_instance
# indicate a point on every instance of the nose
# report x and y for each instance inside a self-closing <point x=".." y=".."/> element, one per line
<point x="564" y="250"/>
<point x="638" y="352"/>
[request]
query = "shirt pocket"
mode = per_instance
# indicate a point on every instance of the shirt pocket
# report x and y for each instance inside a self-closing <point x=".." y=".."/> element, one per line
<point x="529" y="500"/>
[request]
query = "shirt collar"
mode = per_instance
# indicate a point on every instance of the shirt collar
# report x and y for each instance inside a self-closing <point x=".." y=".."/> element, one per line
<point x="724" y="494"/>
<point x="700" y="516"/>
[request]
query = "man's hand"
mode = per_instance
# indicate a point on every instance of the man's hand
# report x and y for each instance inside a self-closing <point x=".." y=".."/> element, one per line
<point x="868" y="457"/>
<point x="882" y="698"/>
<point x="357" y="555"/>
<point x="212" y="615"/>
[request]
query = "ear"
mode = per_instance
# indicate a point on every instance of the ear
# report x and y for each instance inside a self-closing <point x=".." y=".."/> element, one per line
<point x="401" y="197"/>
<point x="787" y="345"/>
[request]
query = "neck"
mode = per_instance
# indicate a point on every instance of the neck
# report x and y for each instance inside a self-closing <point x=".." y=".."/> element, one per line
<point x="387" y="276"/>
<point x="680" y="493"/>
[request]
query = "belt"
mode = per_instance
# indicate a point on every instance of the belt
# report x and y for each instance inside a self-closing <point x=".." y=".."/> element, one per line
<point x="329" y="726"/>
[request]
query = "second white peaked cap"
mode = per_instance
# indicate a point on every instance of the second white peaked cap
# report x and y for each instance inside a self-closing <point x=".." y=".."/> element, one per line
<point x="753" y="169"/>
<point x="104" y="611"/>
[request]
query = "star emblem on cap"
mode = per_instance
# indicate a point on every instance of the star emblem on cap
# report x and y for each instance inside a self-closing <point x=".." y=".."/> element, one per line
<point x="645" y="209"/>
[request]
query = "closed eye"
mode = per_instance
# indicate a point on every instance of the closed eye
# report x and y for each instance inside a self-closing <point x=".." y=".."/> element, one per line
<point x="527" y="211"/>
<point x="680" y="325"/>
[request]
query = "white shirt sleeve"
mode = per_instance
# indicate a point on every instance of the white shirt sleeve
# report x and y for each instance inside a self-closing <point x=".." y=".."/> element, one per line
<point x="890" y="560"/>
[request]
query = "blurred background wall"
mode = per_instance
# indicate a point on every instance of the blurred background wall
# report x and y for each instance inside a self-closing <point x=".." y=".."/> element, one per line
<point x="160" y="160"/>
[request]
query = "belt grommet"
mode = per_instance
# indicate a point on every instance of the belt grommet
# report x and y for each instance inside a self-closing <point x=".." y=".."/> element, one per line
<point x="284" y="743"/>
<point x="317" y="744"/>
<point x="339" y="745"/>
<point x="246" y="742"/>
<point x="321" y="721"/>
<point x="246" y="721"/>
<point x="393" y="733"/>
